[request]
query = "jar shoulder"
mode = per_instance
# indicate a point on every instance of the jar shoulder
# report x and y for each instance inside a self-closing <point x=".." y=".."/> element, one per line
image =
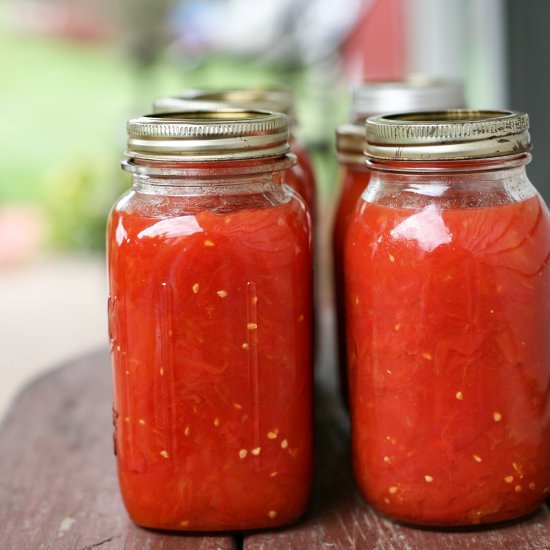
<point x="449" y="190"/>
<point x="158" y="202"/>
<point x="276" y="217"/>
<point x="513" y="236"/>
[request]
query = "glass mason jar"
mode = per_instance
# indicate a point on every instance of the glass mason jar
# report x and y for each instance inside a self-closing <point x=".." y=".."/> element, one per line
<point x="354" y="177"/>
<point x="448" y="310"/>
<point x="416" y="93"/>
<point x="301" y="176"/>
<point x="209" y="259"/>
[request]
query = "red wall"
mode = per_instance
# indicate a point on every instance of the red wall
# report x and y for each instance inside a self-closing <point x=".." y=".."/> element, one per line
<point x="375" y="49"/>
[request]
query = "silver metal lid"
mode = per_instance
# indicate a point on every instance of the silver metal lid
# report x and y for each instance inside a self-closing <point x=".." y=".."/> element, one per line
<point x="350" y="143"/>
<point x="224" y="134"/>
<point x="279" y="100"/>
<point x="447" y="135"/>
<point x="416" y="93"/>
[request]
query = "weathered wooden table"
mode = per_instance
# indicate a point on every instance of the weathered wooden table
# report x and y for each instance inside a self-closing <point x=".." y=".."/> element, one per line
<point x="58" y="486"/>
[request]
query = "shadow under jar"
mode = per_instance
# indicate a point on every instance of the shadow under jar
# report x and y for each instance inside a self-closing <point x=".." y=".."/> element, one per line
<point x="209" y="259"/>
<point x="448" y="316"/>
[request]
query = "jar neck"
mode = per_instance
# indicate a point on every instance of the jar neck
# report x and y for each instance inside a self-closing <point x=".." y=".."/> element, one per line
<point x="206" y="169"/>
<point x="424" y="167"/>
<point x="449" y="184"/>
<point x="208" y="185"/>
<point x="198" y="178"/>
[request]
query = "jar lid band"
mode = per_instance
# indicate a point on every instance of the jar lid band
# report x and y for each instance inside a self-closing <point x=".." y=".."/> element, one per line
<point x="350" y="143"/>
<point x="447" y="135"/>
<point x="222" y="134"/>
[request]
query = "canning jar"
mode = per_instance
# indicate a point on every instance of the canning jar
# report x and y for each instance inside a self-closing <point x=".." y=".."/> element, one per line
<point x="416" y="93"/>
<point x="354" y="177"/>
<point x="301" y="176"/>
<point x="209" y="259"/>
<point x="448" y="310"/>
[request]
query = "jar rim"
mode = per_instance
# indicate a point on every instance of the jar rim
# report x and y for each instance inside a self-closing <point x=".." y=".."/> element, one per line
<point x="447" y="135"/>
<point x="202" y="168"/>
<point x="448" y="166"/>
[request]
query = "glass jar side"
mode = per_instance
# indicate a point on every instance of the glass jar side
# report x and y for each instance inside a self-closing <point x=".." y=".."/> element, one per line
<point x="210" y="317"/>
<point x="305" y="175"/>
<point x="449" y="184"/>
<point x="448" y="305"/>
<point x="355" y="178"/>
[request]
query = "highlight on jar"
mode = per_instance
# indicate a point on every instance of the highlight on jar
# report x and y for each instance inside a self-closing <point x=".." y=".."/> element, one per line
<point x="210" y="262"/>
<point x="416" y="93"/>
<point x="447" y="288"/>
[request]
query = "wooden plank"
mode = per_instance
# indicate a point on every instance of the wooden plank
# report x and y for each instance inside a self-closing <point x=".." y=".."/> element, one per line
<point x="58" y="485"/>
<point x="338" y="518"/>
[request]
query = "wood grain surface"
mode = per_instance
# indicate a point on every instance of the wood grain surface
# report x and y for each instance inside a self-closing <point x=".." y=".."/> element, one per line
<point x="58" y="486"/>
<point x="340" y="519"/>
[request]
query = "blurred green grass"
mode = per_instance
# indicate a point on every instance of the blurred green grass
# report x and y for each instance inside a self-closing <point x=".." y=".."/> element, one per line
<point x="58" y="100"/>
<point x="62" y="100"/>
<point x="63" y="108"/>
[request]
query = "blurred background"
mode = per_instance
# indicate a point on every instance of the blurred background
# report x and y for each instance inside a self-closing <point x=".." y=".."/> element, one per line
<point x="73" y="72"/>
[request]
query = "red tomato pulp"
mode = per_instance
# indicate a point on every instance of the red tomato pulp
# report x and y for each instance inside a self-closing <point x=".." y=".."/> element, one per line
<point x="449" y="317"/>
<point x="212" y="375"/>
